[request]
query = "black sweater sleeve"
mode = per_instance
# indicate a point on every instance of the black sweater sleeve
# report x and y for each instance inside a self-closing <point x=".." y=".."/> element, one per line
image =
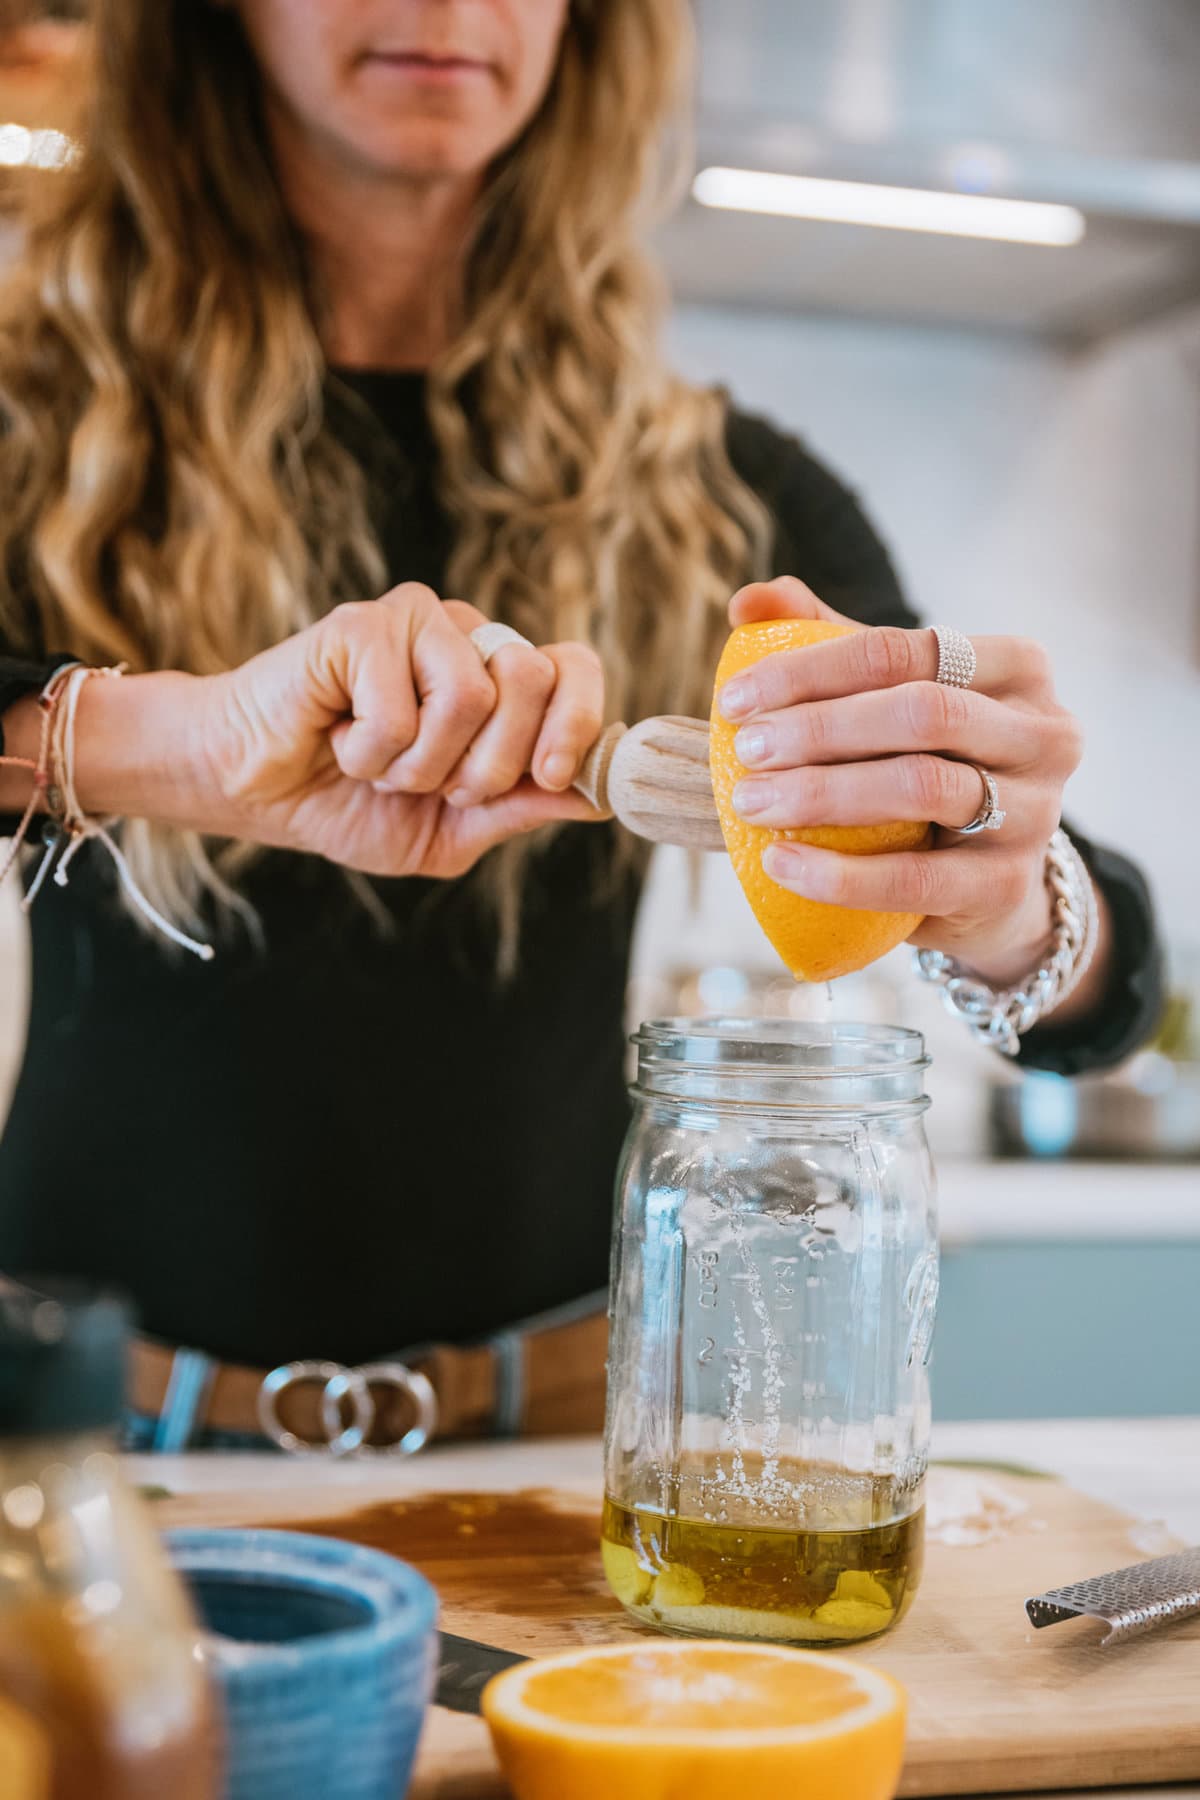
<point x="821" y="533"/>
<point x="823" y="536"/>
<point x="20" y="676"/>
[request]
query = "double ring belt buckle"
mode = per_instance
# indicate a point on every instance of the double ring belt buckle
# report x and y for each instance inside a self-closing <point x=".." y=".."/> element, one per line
<point x="342" y="1383"/>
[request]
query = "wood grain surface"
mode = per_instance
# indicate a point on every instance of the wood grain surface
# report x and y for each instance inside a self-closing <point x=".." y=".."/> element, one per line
<point x="995" y="1706"/>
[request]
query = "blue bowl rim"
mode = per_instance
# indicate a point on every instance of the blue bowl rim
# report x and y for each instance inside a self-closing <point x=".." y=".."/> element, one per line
<point x="403" y="1604"/>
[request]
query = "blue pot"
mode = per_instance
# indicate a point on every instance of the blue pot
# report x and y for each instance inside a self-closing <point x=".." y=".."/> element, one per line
<point x="324" y="1654"/>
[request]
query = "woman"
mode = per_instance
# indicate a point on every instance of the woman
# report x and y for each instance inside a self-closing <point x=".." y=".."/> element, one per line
<point x="344" y="301"/>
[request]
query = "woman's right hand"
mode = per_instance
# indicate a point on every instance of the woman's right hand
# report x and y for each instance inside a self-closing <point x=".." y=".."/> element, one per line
<point x="376" y="738"/>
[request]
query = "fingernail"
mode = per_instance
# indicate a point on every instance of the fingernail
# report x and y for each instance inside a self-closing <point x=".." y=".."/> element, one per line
<point x="756" y="746"/>
<point x="751" y="797"/>
<point x="737" y="699"/>
<point x="461" y="797"/>
<point x="782" y="863"/>
<point x="558" y="770"/>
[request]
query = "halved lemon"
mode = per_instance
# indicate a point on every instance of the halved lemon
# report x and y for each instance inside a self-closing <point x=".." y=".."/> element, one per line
<point x="817" y="941"/>
<point x="697" y="1721"/>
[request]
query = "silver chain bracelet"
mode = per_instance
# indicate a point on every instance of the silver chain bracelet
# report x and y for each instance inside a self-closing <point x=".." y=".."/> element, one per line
<point x="1000" y="1019"/>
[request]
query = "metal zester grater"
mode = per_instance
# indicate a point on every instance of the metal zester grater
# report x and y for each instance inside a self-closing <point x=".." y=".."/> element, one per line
<point x="1132" y="1600"/>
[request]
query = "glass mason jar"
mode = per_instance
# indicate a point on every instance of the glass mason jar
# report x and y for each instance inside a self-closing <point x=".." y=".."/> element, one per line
<point x="774" y="1282"/>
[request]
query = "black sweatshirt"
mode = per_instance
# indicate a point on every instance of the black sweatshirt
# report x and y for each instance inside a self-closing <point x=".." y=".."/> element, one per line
<point x="346" y="1143"/>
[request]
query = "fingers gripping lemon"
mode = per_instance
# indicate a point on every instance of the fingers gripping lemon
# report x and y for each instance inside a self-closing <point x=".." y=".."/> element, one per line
<point x="818" y="942"/>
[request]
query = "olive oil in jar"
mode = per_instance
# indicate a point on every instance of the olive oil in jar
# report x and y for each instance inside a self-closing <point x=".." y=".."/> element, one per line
<point x="829" y="1584"/>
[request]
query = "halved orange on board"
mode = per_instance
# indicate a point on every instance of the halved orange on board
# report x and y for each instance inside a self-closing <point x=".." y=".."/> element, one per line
<point x="697" y="1721"/>
<point x="818" y="942"/>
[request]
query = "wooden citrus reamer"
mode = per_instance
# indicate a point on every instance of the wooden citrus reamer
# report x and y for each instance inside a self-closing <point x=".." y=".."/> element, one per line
<point x="654" y="779"/>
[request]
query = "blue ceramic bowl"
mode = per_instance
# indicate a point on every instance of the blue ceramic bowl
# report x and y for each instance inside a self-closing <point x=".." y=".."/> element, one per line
<point x="325" y="1655"/>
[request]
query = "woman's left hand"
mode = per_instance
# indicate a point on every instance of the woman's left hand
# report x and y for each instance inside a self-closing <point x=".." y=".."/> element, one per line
<point x="858" y="730"/>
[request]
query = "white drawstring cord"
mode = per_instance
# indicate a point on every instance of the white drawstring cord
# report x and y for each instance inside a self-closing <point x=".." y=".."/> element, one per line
<point x="80" y="827"/>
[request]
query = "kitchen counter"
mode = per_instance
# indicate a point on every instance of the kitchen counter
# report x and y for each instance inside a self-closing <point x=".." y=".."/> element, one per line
<point x="1032" y="1201"/>
<point x="1147" y="1467"/>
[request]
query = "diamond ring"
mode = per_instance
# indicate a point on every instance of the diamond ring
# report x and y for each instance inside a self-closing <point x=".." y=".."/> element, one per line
<point x="957" y="661"/>
<point x="990" y="816"/>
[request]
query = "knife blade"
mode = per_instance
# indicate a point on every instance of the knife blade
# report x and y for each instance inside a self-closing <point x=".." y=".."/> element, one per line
<point x="465" y="1667"/>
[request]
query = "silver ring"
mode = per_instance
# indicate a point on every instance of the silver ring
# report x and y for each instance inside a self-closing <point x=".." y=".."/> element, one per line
<point x="991" y="815"/>
<point x="957" y="661"/>
<point x="418" y="1387"/>
<point x="341" y="1441"/>
<point x="493" y="637"/>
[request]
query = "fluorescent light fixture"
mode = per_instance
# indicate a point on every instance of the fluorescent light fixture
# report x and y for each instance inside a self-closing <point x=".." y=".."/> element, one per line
<point x="892" y="208"/>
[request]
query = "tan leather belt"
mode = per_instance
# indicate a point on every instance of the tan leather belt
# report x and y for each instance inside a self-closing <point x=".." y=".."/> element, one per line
<point x="543" y="1380"/>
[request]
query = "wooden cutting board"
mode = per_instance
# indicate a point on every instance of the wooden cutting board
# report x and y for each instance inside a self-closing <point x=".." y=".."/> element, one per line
<point x="994" y="1706"/>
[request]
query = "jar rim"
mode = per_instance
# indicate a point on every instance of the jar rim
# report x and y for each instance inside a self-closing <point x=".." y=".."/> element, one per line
<point x="815" y="1051"/>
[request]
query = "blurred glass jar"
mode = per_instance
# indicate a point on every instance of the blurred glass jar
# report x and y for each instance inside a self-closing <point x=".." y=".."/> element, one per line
<point x="774" y="1286"/>
<point x="102" y="1693"/>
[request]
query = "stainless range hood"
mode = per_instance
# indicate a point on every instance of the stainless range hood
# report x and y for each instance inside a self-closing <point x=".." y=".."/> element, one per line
<point x="1090" y="103"/>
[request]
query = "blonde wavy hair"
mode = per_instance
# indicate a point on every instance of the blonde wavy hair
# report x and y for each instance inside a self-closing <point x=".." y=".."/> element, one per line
<point x="172" y="496"/>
